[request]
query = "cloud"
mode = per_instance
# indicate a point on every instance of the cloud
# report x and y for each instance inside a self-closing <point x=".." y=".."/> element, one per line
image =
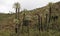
<point x="7" y="5"/>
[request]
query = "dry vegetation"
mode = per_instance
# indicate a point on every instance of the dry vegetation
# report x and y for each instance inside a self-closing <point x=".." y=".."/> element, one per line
<point x="7" y="25"/>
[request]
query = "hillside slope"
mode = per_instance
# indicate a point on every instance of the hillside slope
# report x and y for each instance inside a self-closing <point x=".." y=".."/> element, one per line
<point x="7" y="20"/>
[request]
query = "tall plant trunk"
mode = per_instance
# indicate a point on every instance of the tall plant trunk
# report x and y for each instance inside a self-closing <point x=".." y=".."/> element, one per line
<point x="17" y="26"/>
<point x="23" y="21"/>
<point x="41" y="25"/>
<point x="18" y="12"/>
<point x="28" y="28"/>
<point x="49" y="14"/>
<point x="39" y="22"/>
<point x="47" y="22"/>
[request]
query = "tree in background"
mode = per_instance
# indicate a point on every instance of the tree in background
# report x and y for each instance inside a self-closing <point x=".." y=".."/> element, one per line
<point x="17" y="9"/>
<point x="17" y="21"/>
<point x="50" y="11"/>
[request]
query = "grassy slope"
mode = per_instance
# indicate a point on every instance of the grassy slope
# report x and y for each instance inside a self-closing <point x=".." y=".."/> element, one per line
<point x="7" y="24"/>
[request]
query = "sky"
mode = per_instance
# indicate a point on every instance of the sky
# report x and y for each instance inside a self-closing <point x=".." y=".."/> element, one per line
<point x="6" y="6"/>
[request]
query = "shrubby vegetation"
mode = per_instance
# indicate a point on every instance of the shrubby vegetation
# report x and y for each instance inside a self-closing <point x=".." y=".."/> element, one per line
<point x="35" y="22"/>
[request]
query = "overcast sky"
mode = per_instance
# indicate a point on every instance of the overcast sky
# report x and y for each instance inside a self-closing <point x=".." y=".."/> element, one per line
<point x="7" y="5"/>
